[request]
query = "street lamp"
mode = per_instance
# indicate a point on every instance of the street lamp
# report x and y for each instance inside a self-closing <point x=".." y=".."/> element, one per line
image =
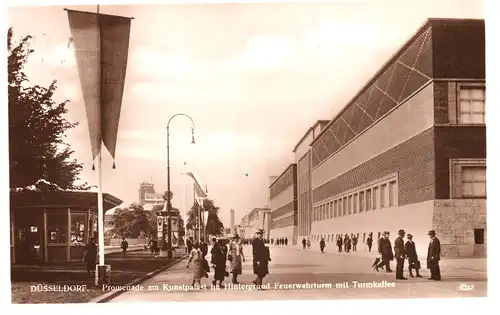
<point x="169" y="202"/>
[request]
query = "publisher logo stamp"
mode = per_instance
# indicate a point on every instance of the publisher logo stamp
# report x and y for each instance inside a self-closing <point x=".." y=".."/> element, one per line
<point x="465" y="287"/>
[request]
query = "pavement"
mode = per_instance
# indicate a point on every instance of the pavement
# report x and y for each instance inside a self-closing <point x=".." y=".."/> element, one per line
<point x="319" y="277"/>
<point x="117" y="249"/>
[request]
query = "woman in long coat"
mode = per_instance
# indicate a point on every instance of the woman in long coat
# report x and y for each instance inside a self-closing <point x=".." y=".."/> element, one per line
<point x="235" y="256"/>
<point x="219" y="262"/>
<point x="261" y="258"/>
<point x="196" y="257"/>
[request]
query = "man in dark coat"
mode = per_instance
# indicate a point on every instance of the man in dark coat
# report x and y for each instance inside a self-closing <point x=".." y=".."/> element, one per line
<point x="339" y="243"/>
<point x="219" y="261"/>
<point x="90" y="256"/>
<point x="385" y="251"/>
<point x="322" y="245"/>
<point x="369" y="242"/>
<point x="204" y="252"/>
<point x="433" y="256"/>
<point x="399" y="253"/>
<point x="261" y="258"/>
<point x="189" y="244"/>
<point x="411" y="253"/>
<point x="354" y="243"/>
<point x="304" y="243"/>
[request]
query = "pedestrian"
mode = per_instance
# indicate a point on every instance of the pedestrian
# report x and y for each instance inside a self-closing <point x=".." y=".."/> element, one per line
<point x="434" y="256"/>
<point x="261" y="259"/>
<point x="399" y="253"/>
<point x="369" y="242"/>
<point x="411" y="254"/>
<point x="354" y="242"/>
<point x="218" y="262"/>
<point x="196" y="257"/>
<point x="304" y="243"/>
<point x="308" y="243"/>
<point x="347" y="244"/>
<point x="189" y="244"/>
<point x="124" y="245"/>
<point x="236" y="257"/>
<point x="204" y="252"/>
<point x="385" y="251"/>
<point x="339" y="243"/>
<point x="286" y="241"/>
<point x="90" y="256"/>
<point x="272" y="241"/>
<point x="322" y="245"/>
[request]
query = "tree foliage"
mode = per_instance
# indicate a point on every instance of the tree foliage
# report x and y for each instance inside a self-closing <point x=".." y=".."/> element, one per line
<point x="134" y="221"/>
<point x="213" y="225"/>
<point x="37" y="151"/>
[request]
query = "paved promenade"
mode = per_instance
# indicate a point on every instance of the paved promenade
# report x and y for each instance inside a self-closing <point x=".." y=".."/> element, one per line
<point x="325" y="276"/>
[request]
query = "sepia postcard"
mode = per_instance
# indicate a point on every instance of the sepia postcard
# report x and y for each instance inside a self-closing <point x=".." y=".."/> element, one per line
<point x="247" y="151"/>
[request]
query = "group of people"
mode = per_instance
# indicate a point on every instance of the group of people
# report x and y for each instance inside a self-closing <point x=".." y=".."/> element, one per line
<point x="233" y="252"/>
<point x="282" y="241"/>
<point x="348" y="243"/>
<point x="408" y="251"/>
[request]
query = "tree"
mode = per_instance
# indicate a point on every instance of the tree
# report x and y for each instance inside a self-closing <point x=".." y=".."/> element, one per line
<point x="134" y="221"/>
<point x="37" y="151"/>
<point x="213" y="225"/>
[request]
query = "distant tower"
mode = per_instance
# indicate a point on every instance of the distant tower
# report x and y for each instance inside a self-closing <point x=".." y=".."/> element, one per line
<point x="233" y="230"/>
<point x="145" y="188"/>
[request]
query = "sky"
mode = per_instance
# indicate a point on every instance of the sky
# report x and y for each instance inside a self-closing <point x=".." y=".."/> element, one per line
<point x="254" y="77"/>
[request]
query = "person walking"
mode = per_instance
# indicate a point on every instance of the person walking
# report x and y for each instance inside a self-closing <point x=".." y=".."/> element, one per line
<point x="339" y="243"/>
<point x="90" y="257"/>
<point x="411" y="254"/>
<point x="189" y="244"/>
<point x="354" y="243"/>
<point x="286" y="241"/>
<point x="322" y="245"/>
<point x="218" y="262"/>
<point x="304" y="243"/>
<point x="347" y="244"/>
<point x="385" y="251"/>
<point x="369" y="242"/>
<point x="124" y="246"/>
<point x="434" y="256"/>
<point x="308" y="243"/>
<point x="196" y="256"/>
<point x="236" y="257"/>
<point x="261" y="259"/>
<point x="399" y="253"/>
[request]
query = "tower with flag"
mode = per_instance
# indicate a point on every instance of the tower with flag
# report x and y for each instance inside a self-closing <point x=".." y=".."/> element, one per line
<point x="101" y="46"/>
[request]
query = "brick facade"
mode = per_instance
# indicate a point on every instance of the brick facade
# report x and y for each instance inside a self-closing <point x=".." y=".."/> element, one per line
<point x="455" y="142"/>
<point x="413" y="160"/>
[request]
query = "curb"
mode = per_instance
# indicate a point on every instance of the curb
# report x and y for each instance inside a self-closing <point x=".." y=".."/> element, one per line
<point x="111" y="295"/>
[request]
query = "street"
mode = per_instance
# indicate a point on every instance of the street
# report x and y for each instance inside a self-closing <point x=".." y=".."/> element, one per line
<point x="329" y="276"/>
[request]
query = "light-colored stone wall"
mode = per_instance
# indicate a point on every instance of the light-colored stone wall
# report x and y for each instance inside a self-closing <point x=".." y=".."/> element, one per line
<point x="287" y="231"/>
<point x="303" y="147"/>
<point x="454" y="221"/>
<point x="408" y="120"/>
<point x="414" y="218"/>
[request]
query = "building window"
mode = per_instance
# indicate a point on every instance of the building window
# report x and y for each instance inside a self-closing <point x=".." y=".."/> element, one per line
<point x="349" y="205"/>
<point x="361" y="201"/>
<point x="78" y="226"/>
<point x="324" y="211"/>
<point x="374" y="197"/>
<point x="355" y="203"/>
<point x="474" y="181"/>
<point x="57" y="228"/>
<point x="472" y="105"/>
<point x="478" y="236"/>
<point x="383" y="188"/>
<point x="368" y="199"/>
<point x="344" y="206"/>
<point x="392" y="194"/>
<point x="335" y="208"/>
<point x="331" y="209"/>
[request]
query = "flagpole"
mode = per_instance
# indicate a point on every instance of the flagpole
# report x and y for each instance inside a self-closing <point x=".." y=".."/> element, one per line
<point x="100" y="203"/>
<point x="184" y="207"/>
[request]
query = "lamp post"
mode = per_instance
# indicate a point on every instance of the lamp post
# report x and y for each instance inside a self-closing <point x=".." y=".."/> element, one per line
<point x="169" y="203"/>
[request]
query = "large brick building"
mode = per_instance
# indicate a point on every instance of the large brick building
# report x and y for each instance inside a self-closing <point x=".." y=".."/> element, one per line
<point x="409" y="150"/>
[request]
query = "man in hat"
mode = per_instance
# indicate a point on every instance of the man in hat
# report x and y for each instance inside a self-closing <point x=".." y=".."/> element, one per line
<point x="385" y="251"/>
<point x="261" y="258"/>
<point x="433" y="256"/>
<point x="399" y="253"/>
<point x="236" y="257"/>
<point x="411" y="253"/>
